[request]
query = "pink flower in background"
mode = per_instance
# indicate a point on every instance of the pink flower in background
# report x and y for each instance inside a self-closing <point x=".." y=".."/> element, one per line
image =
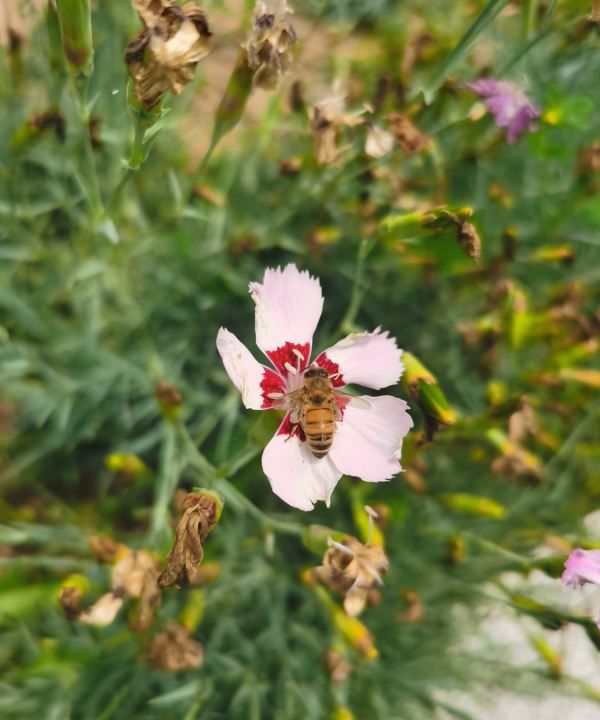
<point x="581" y="567"/>
<point x="368" y="431"/>
<point x="509" y="105"/>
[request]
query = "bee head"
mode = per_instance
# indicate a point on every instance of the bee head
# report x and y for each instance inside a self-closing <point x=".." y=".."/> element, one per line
<point x="313" y="372"/>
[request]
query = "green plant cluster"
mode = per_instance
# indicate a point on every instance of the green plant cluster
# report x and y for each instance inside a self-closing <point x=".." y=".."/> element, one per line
<point x="114" y="278"/>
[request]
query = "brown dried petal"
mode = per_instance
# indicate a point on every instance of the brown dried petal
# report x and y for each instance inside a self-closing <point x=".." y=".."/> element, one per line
<point x="199" y="515"/>
<point x="131" y="572"/>
<point x="136" y="575"/>
<point x="104" y="611"/>
<point x="522" y="422"/>
<point x="174" y="649"/>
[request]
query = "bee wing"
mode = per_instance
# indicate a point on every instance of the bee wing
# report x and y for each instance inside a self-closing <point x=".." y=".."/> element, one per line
<point x="356" y="402"/>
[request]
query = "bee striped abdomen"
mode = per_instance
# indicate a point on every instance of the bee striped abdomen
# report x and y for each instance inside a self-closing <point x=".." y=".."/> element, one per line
<point x="319" y="425"/>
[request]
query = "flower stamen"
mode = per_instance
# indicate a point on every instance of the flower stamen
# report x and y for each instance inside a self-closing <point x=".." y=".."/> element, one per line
<point x="275" y="395"/>
<point x="290" y="368"/>
<point x="372" y="517"/>
<point x="300" y="360"/>
<point x="342" y="548"/>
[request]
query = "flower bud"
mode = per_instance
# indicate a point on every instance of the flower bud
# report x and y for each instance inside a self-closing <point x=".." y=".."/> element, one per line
<point x="57" y="57"/>
<point x="342" y="713"/>
<point x="169" y="399"/>
<point x="75" y="21"/>
<point x="126" y="465"/>
<point x="549" y="655"/>
<point x="233" y="102"/>
<point x="356" y="633"/>
<point x="423" y="387"/>
<point x="316" y="538"/>
<point x="473" y="505"/>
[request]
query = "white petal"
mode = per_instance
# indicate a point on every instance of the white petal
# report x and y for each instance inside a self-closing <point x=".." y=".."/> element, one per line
<point x="104" y="611"/>
<point x="367" y="443"/>
<point x="296" y="476"/>
<point x="369" y="359"/>
<point x="251" y="378"/>
<point x="379" y="142"/>
<point x="288" y="307"/>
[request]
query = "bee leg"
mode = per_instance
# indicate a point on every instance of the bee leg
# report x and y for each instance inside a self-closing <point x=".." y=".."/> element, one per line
<point x="293" y="432"/>
<point x="337" y="413"/>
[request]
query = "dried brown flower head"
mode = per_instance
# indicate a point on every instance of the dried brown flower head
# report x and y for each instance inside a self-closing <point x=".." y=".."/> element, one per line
<point x="162" y="57"/>
<point x="268" y="48"/>
<point x="200" y="514"/>
<point x="355" y="571"/>
<point x="407" y="134"/>
<point x="134" y="575"/>
<point x="173" y="649"/>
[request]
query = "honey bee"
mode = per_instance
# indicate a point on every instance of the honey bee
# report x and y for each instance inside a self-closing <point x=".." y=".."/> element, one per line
<point x="313" y="406"/>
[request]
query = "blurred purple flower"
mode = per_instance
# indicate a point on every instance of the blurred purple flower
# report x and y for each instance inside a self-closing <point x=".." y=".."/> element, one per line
<point x="510" y="106"/>
<point x="581" y="567"/>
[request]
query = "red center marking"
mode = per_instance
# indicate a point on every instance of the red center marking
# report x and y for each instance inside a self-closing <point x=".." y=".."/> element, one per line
<point x="332" y="369"/>
<point x="286" y="428"/>
<point x="285" y="354"/>
<point x="271" y="383"/>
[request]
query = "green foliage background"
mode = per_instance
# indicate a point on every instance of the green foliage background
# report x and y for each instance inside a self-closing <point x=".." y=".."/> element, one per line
<point x="96" y="306"/>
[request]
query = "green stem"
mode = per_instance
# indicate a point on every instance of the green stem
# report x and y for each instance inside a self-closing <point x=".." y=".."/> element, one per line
<point x="530" y="10"/>
<point x="213" y="477"/>
<point x="347" y="324"/>
<point x="79" y="88"/>
<point x="136" y="157"/>
<point x="498" y="550"/>
<point x="166" y="482"/>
